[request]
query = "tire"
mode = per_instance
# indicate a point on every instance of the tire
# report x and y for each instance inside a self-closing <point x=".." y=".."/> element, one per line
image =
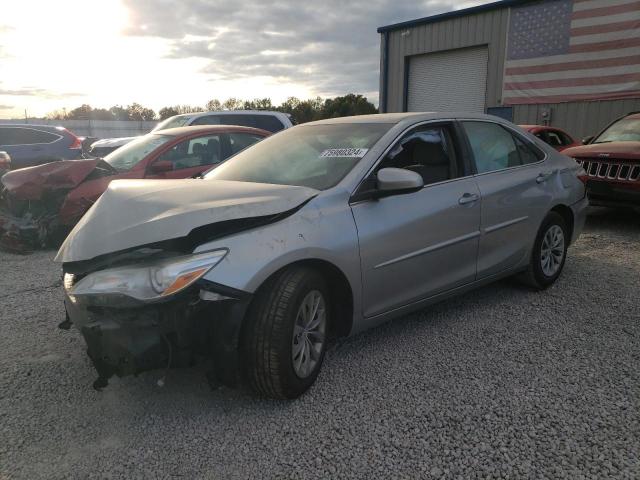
<point x="540" y="273"/>
<point x="268" y="348"/>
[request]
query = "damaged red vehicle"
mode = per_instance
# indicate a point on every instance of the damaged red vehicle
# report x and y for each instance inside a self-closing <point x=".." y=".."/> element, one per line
<point x="39" y="205"/>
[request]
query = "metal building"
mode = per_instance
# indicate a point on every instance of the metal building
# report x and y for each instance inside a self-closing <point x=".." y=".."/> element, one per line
<point x="570" y="63"/>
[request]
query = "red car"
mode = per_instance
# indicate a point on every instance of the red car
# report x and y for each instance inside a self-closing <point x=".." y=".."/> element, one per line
<point x="39" y="205"/>
<point x="556" y="137"/>
<point x="611" y="161"/>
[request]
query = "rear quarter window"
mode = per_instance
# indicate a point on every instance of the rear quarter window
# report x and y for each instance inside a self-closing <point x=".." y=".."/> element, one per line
<point x="26" y="136"/>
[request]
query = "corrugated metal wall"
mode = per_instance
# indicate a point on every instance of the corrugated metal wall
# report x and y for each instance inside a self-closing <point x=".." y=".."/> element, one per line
<point x="578" y="118"/>
<point x="488" y="28"/>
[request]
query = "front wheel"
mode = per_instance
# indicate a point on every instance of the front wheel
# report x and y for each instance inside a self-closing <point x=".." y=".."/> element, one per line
<point x="549" y="253"/>
<point x="284" y="338"/>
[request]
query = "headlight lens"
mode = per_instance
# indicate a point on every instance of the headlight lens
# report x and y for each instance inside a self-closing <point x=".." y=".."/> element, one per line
<point x="149" y="281"/>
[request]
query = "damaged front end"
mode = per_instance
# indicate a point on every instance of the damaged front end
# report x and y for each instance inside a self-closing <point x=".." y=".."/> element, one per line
<point x="32" y="202"/>
<point x="151" y="309"/>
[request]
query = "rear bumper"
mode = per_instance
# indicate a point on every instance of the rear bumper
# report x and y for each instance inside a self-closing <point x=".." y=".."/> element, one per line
<point x="177" y="333"/>
<point x="613" y="194"/>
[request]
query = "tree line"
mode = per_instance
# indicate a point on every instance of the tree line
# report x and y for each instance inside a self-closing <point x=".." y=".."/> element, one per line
<point x="301" y="110"/>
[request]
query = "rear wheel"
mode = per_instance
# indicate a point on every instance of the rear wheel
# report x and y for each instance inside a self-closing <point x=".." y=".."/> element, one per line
<point x="549" y="253"/>
<point x="284" y="338"/>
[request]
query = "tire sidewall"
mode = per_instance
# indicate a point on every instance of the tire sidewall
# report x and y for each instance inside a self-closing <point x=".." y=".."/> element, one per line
<point x="536" y="265"/>
<point x="310" y="281"/>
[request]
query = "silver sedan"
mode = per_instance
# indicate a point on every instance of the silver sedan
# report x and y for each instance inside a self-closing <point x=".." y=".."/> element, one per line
<point x="320" y="231"/>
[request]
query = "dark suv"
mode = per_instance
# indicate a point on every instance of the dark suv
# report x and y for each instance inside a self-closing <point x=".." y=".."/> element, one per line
<point x="611" y="160"/>
<point x="30" y="145"/>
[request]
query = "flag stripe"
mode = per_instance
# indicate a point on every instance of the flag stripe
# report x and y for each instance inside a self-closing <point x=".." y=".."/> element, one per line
<point x="591" y="4"/>
<point x="604" y="37"/>
<point x="592" y="72"/>
<point x="576" y="65"/>
<point x="577" y="82"/>
<point x="569" y="97"/>
<point x="605" y="19"/>
<point x="613" y="44"/>
<point x="606" y="28"/>
<point x="609" y="10"/>
<point x="586" y="57"/>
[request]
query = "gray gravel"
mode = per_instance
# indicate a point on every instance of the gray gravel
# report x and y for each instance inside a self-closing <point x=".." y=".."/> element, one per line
<point x="501" y="383"/>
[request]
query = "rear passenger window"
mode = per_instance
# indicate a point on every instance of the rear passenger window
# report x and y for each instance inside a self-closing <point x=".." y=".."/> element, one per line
<point x="208" y="120"/>
<point x="495" y="148"/>
<point x="26" y="136"/>
<point x="242" y="120"/>
<point x="269" y="123"/>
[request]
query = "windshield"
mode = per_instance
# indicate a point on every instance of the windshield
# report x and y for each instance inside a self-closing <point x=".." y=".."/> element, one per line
<point x="625" y="130"/>
<point x="125" y="157"/>
<point x="315" y="156"/>
<point x="172" y="122"/>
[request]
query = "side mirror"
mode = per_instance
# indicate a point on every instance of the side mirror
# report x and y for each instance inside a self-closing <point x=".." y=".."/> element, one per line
<point x="397" y="180"/>
<point x="587" y="140"/>
<point x="161" y="166"/>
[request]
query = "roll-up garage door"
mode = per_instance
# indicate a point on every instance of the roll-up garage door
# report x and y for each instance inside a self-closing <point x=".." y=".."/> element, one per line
<point x="454" y="80"/>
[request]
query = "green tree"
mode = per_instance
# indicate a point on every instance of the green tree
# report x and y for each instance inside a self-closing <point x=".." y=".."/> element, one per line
<point x="213" y="104"/>
<point x="347" y="105"/>
<point x="83" y="112"/>
<point x="233" y="104"/>
<point x="138" y="112"/>
<point x="167" y="112"/>
<point x="119" y="112"/>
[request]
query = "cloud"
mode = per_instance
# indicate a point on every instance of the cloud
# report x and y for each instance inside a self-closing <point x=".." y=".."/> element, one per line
<point x="331" y="47"/>
<point x="36" y="92"/>
<point x="6" y="107"/>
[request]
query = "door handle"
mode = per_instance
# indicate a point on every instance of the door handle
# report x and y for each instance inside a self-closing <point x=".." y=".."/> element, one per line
<point x="468" y="198"/>
<point x="544" y="176"/>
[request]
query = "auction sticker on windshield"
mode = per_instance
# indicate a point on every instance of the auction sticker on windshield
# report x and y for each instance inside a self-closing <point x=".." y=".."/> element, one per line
<point x="344" y="152"/>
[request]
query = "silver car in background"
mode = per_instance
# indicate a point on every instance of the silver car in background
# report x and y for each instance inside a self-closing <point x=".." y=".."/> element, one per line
<point x="320" y="231"/>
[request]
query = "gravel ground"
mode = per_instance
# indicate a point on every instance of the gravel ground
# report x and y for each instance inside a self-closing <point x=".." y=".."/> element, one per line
<point x="501" y="383"/>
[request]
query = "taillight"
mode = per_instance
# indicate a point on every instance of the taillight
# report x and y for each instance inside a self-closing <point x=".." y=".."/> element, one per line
<point x="77" y="143"/>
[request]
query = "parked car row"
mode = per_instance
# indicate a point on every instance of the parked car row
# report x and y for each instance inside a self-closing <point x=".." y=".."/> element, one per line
<point x="41" y="204"/>
<point x="254" y="265"/>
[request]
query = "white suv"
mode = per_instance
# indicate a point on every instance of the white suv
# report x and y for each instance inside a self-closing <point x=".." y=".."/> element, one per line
<point x="266" y="120"/>
<point x="263" y="119"/>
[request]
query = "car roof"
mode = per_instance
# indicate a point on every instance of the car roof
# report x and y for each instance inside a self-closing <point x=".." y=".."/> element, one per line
<point x="175" y="132"/>
<point x="33" y="125"/>
<point x="231" y="112"/>
<point x="408" y="118"/>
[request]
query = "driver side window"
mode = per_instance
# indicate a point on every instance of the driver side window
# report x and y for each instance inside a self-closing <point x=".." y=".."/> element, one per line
<point x="426" y="150"/>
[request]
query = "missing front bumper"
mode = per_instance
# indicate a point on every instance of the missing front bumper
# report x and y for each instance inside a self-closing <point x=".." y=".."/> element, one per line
<point x="175" y="334"/>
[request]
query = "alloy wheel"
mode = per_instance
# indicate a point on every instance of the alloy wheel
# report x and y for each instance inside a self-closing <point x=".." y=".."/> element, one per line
<point x="309" y="334"/>
<point x="552" y="251"/>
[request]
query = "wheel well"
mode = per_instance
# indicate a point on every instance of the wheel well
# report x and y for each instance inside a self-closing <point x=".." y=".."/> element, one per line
<point x="339" y="289"/>
<point x="566" y="213"/>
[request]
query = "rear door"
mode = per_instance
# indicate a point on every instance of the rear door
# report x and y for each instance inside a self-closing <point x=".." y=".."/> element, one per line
<point x="415" y="245"/>
<point x="28" y="146"/>
<point x="515" y="184"/>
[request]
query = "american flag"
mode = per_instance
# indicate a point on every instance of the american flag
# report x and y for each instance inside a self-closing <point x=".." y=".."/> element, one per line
<point x="567" y="50"/>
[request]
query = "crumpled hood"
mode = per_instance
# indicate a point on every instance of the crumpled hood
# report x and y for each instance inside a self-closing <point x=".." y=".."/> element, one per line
<point x="623" y="150"/>
<point x="133" y="213"/>
<point x="29" y="183"/>
<point x="112" y="142"/>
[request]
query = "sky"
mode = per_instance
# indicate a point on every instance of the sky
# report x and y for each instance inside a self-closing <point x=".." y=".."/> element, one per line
<point x="167" y="52"/>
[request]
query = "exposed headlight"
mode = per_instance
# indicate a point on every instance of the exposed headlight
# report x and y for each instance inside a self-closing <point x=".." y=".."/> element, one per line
<point x="148" y="281"/>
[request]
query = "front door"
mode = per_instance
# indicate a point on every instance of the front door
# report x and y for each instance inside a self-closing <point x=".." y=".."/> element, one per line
<point x="418" y="244"/>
